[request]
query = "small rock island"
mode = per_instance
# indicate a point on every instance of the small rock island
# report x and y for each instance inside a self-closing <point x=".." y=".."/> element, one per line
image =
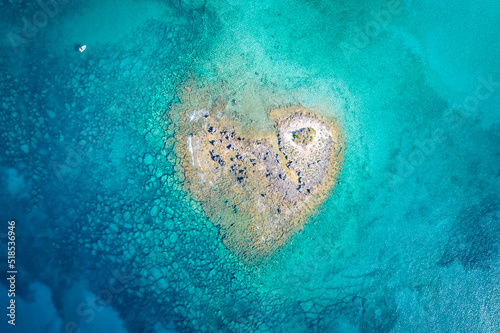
<point x="257" y="190"/>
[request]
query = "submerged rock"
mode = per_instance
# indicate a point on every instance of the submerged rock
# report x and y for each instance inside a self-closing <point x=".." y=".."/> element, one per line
<point x="154" y="211"/>
<point x="25" y="148"/>
<point x="148" y="159"/>
<point x="173" y="237"/>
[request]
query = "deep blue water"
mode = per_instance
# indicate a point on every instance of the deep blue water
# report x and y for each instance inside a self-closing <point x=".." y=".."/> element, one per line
<point x="107" y="240"/>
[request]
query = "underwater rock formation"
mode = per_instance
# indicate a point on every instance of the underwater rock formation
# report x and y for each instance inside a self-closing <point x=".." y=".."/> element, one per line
<point x="257" y="189"/>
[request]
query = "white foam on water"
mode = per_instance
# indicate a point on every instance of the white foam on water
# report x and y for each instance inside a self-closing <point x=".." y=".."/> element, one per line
<point x="190" y="148"/>
<point x="198" y="114"/>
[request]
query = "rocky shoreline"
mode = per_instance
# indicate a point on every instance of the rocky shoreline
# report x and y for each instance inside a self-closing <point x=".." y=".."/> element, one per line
<point x="258" y="190"/>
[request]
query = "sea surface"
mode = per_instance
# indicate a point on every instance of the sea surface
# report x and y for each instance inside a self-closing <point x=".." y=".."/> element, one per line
<point x="107" y="238"/>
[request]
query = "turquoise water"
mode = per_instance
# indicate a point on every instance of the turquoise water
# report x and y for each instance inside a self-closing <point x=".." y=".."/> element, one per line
<point x="408" y="241"/>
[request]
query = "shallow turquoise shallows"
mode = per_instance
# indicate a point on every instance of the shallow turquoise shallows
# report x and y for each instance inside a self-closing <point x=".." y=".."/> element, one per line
<point x="108" y="239"/>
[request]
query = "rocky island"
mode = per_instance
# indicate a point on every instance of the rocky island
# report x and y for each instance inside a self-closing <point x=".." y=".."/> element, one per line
<point x="257" y="190"/>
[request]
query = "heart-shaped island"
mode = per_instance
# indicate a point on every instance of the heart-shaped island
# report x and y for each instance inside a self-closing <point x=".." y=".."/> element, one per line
<point x="257" y="190"/>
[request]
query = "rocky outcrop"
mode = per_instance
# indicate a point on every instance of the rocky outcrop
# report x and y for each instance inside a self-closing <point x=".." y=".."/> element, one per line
<point x="259" y="191"/>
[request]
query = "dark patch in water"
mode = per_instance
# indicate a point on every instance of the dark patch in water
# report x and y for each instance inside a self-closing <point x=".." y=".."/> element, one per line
<point x="476" y="238"/>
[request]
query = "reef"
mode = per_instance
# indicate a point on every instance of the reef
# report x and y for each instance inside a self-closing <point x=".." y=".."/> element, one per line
<point x="257" y="188"/>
